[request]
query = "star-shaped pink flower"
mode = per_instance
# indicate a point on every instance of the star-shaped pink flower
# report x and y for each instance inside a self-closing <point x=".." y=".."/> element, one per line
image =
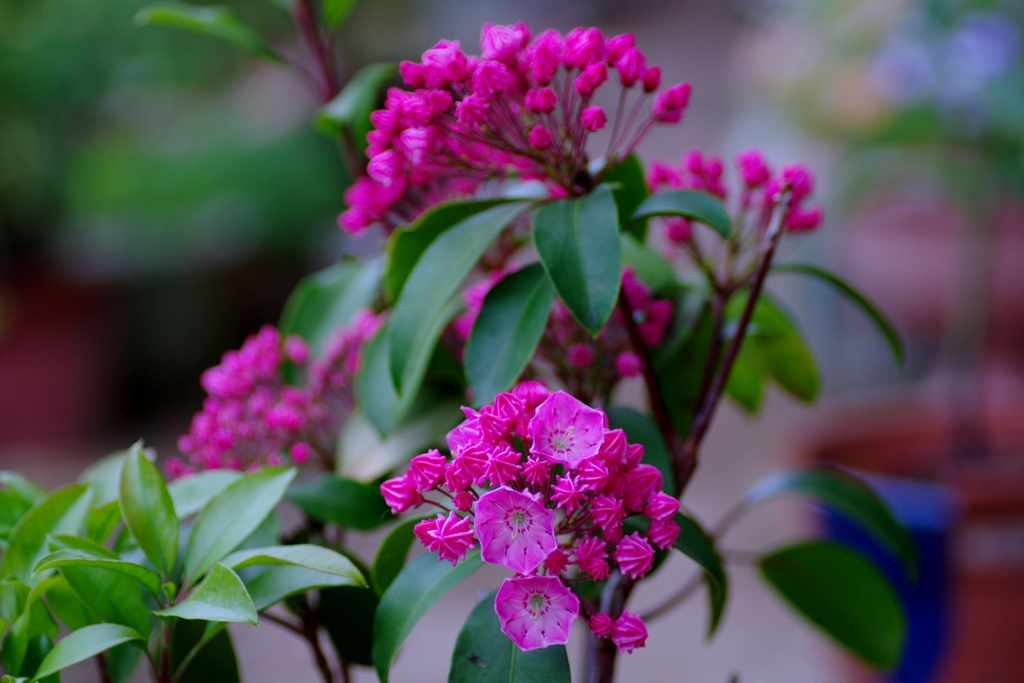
<point x="536" y="611"/>
<point x="566" y="430"/>
<point x="515" y="530"/>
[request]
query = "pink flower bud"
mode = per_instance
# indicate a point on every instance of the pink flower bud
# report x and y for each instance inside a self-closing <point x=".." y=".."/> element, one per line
<point x="427" y="471"/>
<point x="632" y="66"/>
<point x="679" y="230"/>
<point x="641" y="483"/>
<point x="472" y="111"/>
<point x="663" y="533"/>
<point x="753" y="168"/>
<point x="489" y="78"/>
<point x="594" y="119"/>
<point x="532" y="394"/>
<point x="545" y="56"/>
<point x="803" y="220"/>
<point x="661" y="507"/>
<point x="501" y="43"/>
<point x="400" y="494"/>
<point x="580" y="355"/>
<point x="386" y="167"/>
<point x="602" y="625"/>
<point x="543" y="100"/>
<point x="300" y="453"/>
<point x="618" y="45"/>
<point x="634" y="555"/>
<point x="628" y="364"/>
<point x="583" y="47"/>
<point x="297" y="350"/>
<point x="557" y="561"/>
<point x="652" y="79"/>
<point x="629" y="632"/>
<point x="540" y="137"/>
<point x="464" y="501"/>
<point x="591" y="79"/>
<point x="669" y="105"/>
<point x="413" y="74"/>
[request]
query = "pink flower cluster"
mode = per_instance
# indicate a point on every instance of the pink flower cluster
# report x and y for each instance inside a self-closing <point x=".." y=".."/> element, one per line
<point x="541" y="483"/>
<point x="759" y="195"/>
<point x="522" y="108"/>
<point x="252" y="418"/>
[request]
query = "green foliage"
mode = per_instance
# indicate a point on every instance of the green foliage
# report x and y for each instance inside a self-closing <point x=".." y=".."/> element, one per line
<point x="62" y="512"/>
<point x="414" y="591"/>
<point x="842" y="593"/>
<point x="221" y="596"/>
<point x="313" y="557"/>
<point x="344" y="502"/>
<point x="696" y="544"/>
<point x="507" y="331"/>
<point x="629" y="181"/>
<point x="78" y="557"/>
<point x="83" y="644"/>
<point x="392" y="553"/>
<point x="148" y="510"/>
<point x="694" y="204"/>
<point x="347" y="613"/>
<point x="349" y="112"/>
<point x="202" y="652"/>
<point x="483" y="654"/>
<point x="218" y="22"/>
<point x="191" y="494"/>
<point x="277" y="583"/>
<point x="578" y="243"/>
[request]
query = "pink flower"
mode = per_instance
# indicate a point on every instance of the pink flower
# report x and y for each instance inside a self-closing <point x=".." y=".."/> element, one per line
<point x="602" y="625"/>
<point x="532" y="394"/>
<point x="464" y="500"/>
<point x="594" y="119"/>
<point x="504" y="465"/>
<point x="400" y="494"/>
<point x="618" y="45"/>
<point x="301" y="453"/>
<point x="540" y="137"/>
<point x="580" y="355"/>
<point x="753" y="168"/>
<point x="565" y="430"/>
<point x="629" y="632"/>
<point x="803" y="220"/>
<point x="634" y="555"/>
<point x="427" y="471"/>
<point x="663" y="533"/>
<point x="628" y="364"/>
<point x="536" y="471"/>
<point x="536" y="612"/>
<point x="489" y="78"/>
<point x="472" y="111"/>
<point x="450" y="537"/>
<point x="503" y="42"/>
<point x="661" y="506"/>
<point x="515" y="530"/>
<point x="679" y="230"/>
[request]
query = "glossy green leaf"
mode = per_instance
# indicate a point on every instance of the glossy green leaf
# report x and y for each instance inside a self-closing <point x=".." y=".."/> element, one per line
<point x="102" y="521"/>
<point x="507" y="330"/>
<point x="218" y="22"/>
<point x="641" y="429"/>
<point x="221" y="596"/>
<point x="347" y="614"/>
<point x="326" y="300"/>
<point x="880" y="320"/>
<point x="578" y="243"/>
<point x="841" y="592"/>
<point x="104" y="476"/>
<point x="347" y="503"/>
<point x="375" y="393"/>
<point x="681" y="363"/>
<point x="277" y="583"/>
<point x="483" y="654"/>
<point x="82" y="645"/>
<point x="630" y="183"/>
<point x="336" y="11"/>
<point x="190" y="494"/>
<point x="313" y="557"/>
<point x="650" y="267"/>
<point x="422" y="309"/>
<point x="408" y="242"/>
<point x="63" y="511"/>
<point x="22" y="487"/>
<point x="349" y="112"/>
<point x="847" y="495"/>
<point x="232" y="515"/>
<point x="12" y="508"/>
<point x="694" y="204"/>
<point x="745" y="385"/>
<point x="392" y="553"/>
<point x="148" y="510"/>
<point x="68" y="607"/>
<point x="695" y="543"/>
<point x="422" y="583"/>
<point x="31" y="632"/>
<point x="122" y="661"/>
<point x="202" y="652"/>
<point x="149" y="579"/>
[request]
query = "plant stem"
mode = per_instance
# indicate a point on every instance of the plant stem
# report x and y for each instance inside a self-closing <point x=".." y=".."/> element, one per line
<point x="680" y="596"/>
<point x="104" y="669"/>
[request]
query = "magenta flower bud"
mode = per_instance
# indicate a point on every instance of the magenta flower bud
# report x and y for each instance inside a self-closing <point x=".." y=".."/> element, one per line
<point x="800" y="179"/>
<point x="628" y="364"/>
<point x="450" y="537"/>
<point x="613" y="448"/>
<point x="663" y="533"/>
<point x="419" y="143"/>
<point x="629" y="632"/>
<point x="557" y="561"/>
<point x="445" y="63"/>
<point x="300" y="453"/>
<point x="652" y="79"/>
<point x="567" y="493"/>
<point x="532" y="393"/>
<point x="634" y="454"/>
<point x="489" y="78"/>
<point x="803" y="220"/>
<point x="504" y="465"/>
<point x="384" y="120"/>
<point x="400" y="494"/>
<point x="386" y="167"/>
<point x="583" y="47"/>
<point x="427" y="471"/>
<point x="413" y="74"/>
<point x="607" y="512"/>
<point x="694" y="162"/>
<point x="661" y="506"/>
<point x="591" y="79"/>
<point x="542" y="101"/>
<point x="679" y="230"/>
<point x="602" y="625"/>
<point x="540" y="137"/>
<point x="590" y="555"/>
<point x="669" y="105"/>
<point x="472" y="111"/>
<point x="593" y="474"/>
<point x="464" y="501"/>
<point x="641" y="483"/>
<point x="439" y="101"/>
<point x="753" y="168"/>
<point x="634" y="555"/>
<point x="545" y="56"/>
<point x="632" y="66"/>
<point x="594" y="119"/>
<point x="618" y="45"/>
<point x="297" y="350"/>
<point x="580" y="355"/>
<point x="536" y="471"/>
<point x="502" y="43"/>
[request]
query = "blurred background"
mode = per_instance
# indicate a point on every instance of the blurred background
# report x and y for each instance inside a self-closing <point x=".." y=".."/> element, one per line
<point x="162" y="192"/>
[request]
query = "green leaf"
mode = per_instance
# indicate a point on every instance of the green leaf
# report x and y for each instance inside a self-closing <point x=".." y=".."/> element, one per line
<point x="695" y="543"/>
<point x="650" y="267"/>
<point x="149" y="579"/>
<point x="847" y="495"/>
<point x="102" y="521"/>
<point x="277" y="583"/>
<point x="22" y="487"/>
<point x="63" y="511"/>
<point x="693" y="204"/>
<point x="578" y="243"/>
<point x="631" y="192"/>
<point x="218" y="22"/>
<point x="641" y="429"/>
<point x="408" y="242"/>
<point x="507" y="331"/>
<point x="122" y="661"/>
<point x="336" y="11"/>
<point x="680" y="365"/>
<point x="313" y="557"/>
<point x="883" y="323"/>
<point x="483" y="654"/>
<point x="347" y="613"/>
<point x="326" y="300"/>
<point x="232" y="515"/>
<point x="221" y="596"/>
<point x="104" y="476"/>
<point x="422" y="583"/>
<point x="375" y="393"/>
<point x="12" y="508"/>
<point x="841" y="592"/>
<point x="392" y="553"/>
<point x="745" y="385"/>
<point x="67" y="606"/>
<point x="82" y="645"/>
<point x="209" y="652"/>
<point x="350" y="109"/>
<point x="191" y="494"/>
<point x="422" y="309"/>
<point x="347" y="503"/>
<point x="148" y="510"/>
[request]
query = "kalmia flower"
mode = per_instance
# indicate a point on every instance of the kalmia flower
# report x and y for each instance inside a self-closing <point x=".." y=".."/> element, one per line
<point x="536" y="611"/>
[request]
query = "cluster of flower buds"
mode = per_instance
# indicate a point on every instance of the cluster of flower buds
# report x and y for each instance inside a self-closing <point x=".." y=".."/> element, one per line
<point x="253" y="418"/>
<point x="522" y="108"/>
<point x="548" y="491"/>
<point x="759" y="196"/>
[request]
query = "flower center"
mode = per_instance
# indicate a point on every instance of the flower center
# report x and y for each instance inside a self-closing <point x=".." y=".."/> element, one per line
<point x="518" y="522"/>
<point x="563" y="441"/>
<point x="536" y="605"/>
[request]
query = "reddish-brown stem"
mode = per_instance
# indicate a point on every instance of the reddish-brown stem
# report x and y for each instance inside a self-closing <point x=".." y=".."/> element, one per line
<point x="717" y="304"/>
<point x="103" y="668"/>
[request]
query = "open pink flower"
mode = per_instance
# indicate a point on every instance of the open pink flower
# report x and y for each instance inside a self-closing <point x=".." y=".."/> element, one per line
<point x="536" y="611"/>
<point x="515" y="530"/>
<point x="566" y="430"/>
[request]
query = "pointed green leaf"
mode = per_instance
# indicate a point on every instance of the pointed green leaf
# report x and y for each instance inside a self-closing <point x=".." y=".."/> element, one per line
<point x="191" y="494"/>
<point x="63" y="511"/>
<point x="221" y="596"/>
<point x="506" y="333"/>
<point x="392" y="553"/>
<point x="578" y="243"/>
<point x="693" y="204"/>
<point x="232" y="515"/>
<point x="218" y="22"/>
<point x="277" y="583"/>
<point x="883" y="323"/>
<point x="82" y="645"/>
<point x="149" y="579"/>
<point x="483" y="654"/>
<point x="68" y="607"/>
<point x="423" y="310"/>
<point x="349" y="504"/>
<point x="12" y="508"/>
<point x="148" y="510"/>
<point x="102" y="521"/>
<point x="202" y="652"/>
<point x="104" y="476"/>
<point x="22" y="487"/>
<point x="695" y="543"/>
<point x="745" y="385"/>
<point x="630" y="182"/>
<point x="313" y="557"/>
<point x="841" y="592"/>
<point x="414" y="591"/>
<point x="336" y="11"/>
<point x="351" y="108"/>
